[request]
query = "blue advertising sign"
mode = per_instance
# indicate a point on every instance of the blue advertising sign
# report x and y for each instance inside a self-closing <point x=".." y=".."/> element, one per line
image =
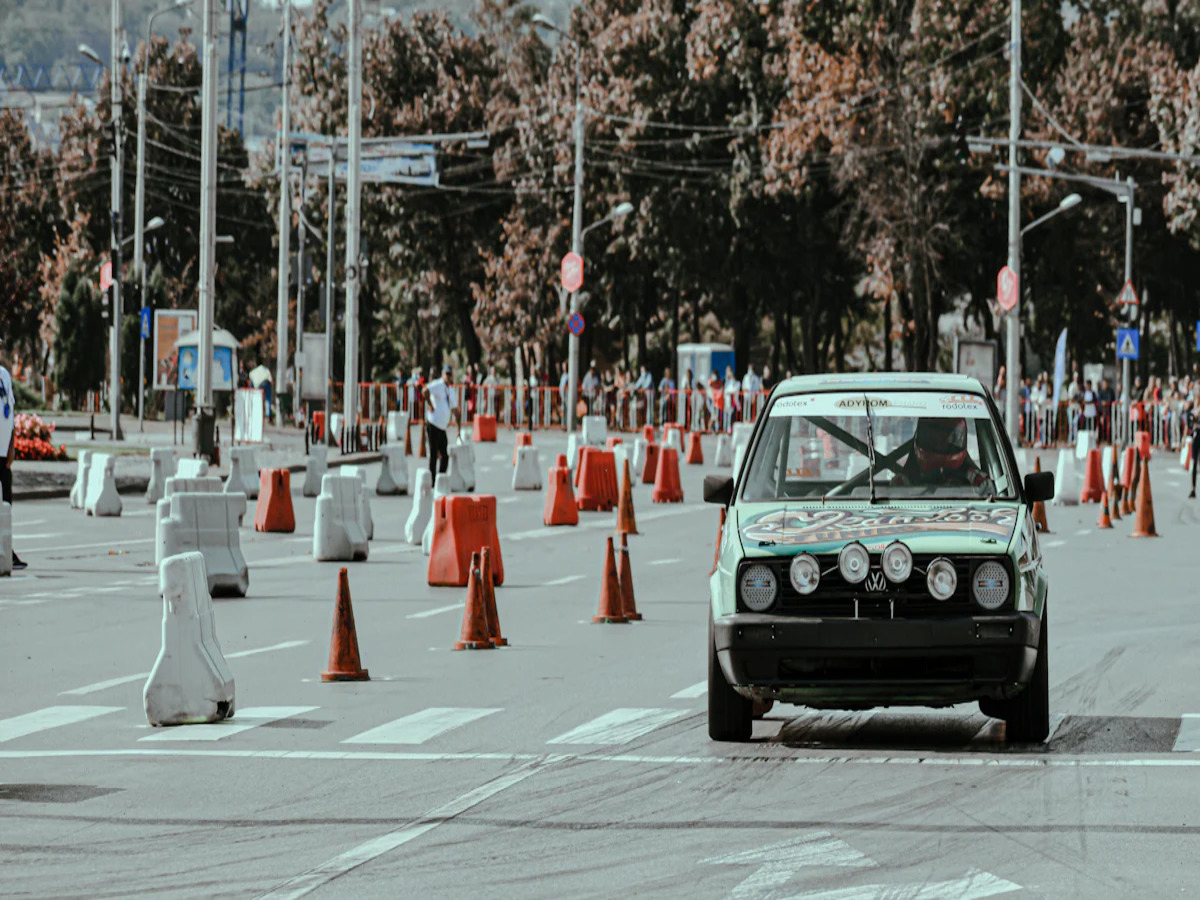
<point x="145" y="322"/>
<point x="222" y="368"/>
<point x="1127" y="343"/>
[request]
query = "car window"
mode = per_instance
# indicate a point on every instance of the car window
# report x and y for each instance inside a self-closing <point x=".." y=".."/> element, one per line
<point x="927" y="444"/>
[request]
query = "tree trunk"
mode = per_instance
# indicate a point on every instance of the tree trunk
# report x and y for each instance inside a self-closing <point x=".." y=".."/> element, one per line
<point x="887" y="335"/>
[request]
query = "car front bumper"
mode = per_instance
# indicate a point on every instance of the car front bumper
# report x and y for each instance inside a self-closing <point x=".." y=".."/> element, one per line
<point x="847" y="663"/>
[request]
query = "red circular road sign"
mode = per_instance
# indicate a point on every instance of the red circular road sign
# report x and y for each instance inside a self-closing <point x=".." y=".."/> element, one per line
<point x="572" y="272"/>
<point x="106" y="278"/>
<point x="1007" y="286"/>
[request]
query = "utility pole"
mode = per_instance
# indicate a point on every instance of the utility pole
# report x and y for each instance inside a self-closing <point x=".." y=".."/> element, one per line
<point x="139" y="229"/>
<point x="1012" y="408"/>
<point x="353" y="217"/>
<point x="205" y="423"/>
<point x="576" y="242"/>
<point x="285" y="220"/>
<point x="114" y="339"/>
<point x="329" y="317"/>
<point x="301" y="282"/>
<point x="1126" y="368"/>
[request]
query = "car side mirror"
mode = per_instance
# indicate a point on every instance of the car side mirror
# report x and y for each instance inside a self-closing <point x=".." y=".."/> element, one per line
<point x="718" y="489"/>
<point x="1039" y="486"/>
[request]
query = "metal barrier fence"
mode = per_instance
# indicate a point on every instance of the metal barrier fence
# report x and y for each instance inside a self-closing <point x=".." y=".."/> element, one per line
<point x="1047" y="425"/>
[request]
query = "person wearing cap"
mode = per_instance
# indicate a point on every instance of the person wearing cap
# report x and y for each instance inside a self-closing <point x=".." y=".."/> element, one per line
<point x="591" y="382"/>
<point x="8" y="443"/>
<point x="440" y="405"/>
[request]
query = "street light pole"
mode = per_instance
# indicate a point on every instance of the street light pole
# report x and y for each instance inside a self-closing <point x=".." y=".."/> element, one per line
<point x="208" y="219"/>
<point x="1125" y="364"/>
<point x="329" y="317"/>
<point x="285" y="222"/>
<point x="576" y="243"/>
<point x="114" y="340"/>
<point x="1012" y="417"/>
<point x="353" y="217"/>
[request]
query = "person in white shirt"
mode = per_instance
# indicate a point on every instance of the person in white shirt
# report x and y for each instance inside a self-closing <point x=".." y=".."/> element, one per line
<point x="733" y="402"/>
<point x="440" y="405"/>
<point x="591" y="382"/>
<point x="8" y="443"/>
<point x="490" y="383"/>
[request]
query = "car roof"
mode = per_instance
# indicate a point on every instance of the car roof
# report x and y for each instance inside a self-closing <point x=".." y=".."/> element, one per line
<point x="882" y="381"/>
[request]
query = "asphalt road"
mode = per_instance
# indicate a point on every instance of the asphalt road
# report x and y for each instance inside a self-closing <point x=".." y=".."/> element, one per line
<point x="574" y="763"/>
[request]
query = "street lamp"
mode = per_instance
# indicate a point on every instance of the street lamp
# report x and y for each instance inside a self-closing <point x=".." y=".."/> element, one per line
<point x="540" y="21"/>
<point x="619" y="212"/>
<point x="153" y="225"/>
<point x="1068" y="202"/>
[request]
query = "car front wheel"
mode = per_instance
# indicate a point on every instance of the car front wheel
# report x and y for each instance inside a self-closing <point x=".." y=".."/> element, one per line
<point x="730" y="715"/>
<point x="1027" y="715"/>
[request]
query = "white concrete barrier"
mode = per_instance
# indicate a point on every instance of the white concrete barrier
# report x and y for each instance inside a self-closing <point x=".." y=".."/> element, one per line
<point x="574" y="442"/>
<point x="205" y="484"/>
<point x="638" y="461"/>
<point x="594" y="431"/>
<point x="466" y="458"/>
<point x="674" y="440"/>
<point x="335" y="426"/>
<point x="5" y="538"/>
<point x="207" y="524"/>
<point x="79" y="488"/>
<point x="315" y="467"/>
<point x="527" y="476"/>
<point x="393" y="470"/>
<point x="243" y="472"/>
<point x="397" y="428"/>
<point x="724" y="454"/>
<point x="441" y="487"/>
<point x="191" y="682"/>
<point x="422" y="507"/>
<point x="741" y="435"/>
<point x="162" y="467"/>
<point x="367" y="521"/>
<point x="1107" y="455"/>
<point x="1066" y="480"/>
<point x="456" y="471"/>
<point x="191" y="468"/>
<point x="337" y="529"/>
<point x="1084" y="441"/>
<point x="739" y="453"/>
<point x="102" y="498"/>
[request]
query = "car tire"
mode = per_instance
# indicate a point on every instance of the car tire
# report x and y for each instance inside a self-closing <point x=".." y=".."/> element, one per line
<point x="1027" y="715"/>
<point x="730" y="715"/>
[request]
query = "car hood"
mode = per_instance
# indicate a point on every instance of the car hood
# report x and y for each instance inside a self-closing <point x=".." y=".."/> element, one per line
<point x="773" y="529"/>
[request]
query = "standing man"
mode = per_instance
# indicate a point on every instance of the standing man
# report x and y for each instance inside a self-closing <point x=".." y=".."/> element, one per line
<point x="440" y="405"/>
<point x="1191" y="421"/>
<point x="666" y="387"/>
<point x="8" y="443"/>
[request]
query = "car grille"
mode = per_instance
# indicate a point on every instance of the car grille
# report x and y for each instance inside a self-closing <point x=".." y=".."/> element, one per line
<point x="835" y="598"/>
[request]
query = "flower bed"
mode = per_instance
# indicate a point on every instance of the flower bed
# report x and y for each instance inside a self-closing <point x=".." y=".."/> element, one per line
<point x="32" y="436"/>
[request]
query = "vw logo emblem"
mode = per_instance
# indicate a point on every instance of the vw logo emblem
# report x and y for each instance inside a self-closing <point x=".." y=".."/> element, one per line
<point x="876" y="583"/>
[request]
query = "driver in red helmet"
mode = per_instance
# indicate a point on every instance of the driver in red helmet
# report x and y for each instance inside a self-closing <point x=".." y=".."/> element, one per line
<point x="939" y="456"/>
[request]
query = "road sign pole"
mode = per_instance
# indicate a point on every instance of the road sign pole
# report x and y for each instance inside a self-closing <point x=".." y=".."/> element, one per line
<point x="285" y="223"/>
<point x="1012" y="417"/>
<point x="576" y="245"/>
<point x="1126" y="384"/>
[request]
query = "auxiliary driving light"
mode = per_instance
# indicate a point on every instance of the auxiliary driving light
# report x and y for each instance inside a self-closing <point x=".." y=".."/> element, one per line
<point x="854" y="562"/>
<point x="941" y="579"/>
<point x="805" y="573"/>
<point x="897" y="562"/>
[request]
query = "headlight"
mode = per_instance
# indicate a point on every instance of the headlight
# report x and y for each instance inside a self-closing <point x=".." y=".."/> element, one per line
<point x="941" y="579"/>
<point x="897" y="562"/>
<point x="854" y="563"/>
<point x="759" y="587"/>
<point x="990" y="585"/>
<point x="805" y="573"/>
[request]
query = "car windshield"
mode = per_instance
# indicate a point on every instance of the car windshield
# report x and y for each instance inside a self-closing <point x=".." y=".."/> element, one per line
<point x="927" y="444"/>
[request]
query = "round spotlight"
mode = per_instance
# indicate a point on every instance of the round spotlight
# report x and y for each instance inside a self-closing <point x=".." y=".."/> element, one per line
<point x="759" y="587"/>
<point x="897" y="562"/>
<point x="805" y="573"/>
<point x="941" y="579"/>
<point x="854" y="562"/>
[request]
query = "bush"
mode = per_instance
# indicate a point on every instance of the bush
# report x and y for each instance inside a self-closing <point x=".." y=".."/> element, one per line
<point x="32" y="436"/>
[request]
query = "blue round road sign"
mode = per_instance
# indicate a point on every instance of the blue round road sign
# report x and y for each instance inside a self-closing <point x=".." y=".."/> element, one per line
<point x="575" y="324"/>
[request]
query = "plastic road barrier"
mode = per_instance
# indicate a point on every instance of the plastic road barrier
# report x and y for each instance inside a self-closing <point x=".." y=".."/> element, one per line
<point x="466" y="454"/>
<point x="1066" y="480"/>
<point x="367" y="521"/>
<point x="393" y="470"/>
<point x="422" y="508"/>
<point x="524" y="439"/>
<point x="274" y="510"/>
<point x="102" y="498"/>
<point x="650" y="465"/>
<point x="315" y="467"/>
<point x="397" y="429"/>
<point x="638" y="460"/>
<point x="79" y="488"/>
<point x="5" y="538"/>
<point x="162" y="467"/>
<point x="190" y="682"/>
<point x="463" y="525"/>
<point x="574" y="445"/>
<point x="206" y="524"/>
<point x="243" y="472"/>
<point x="695" y="452"/>
<point x="441" y="487"/>
<point x="1085" y="443"/>
<point x="337" y="526"/>
<point x="594" y="431"/>
<point x="485" y="429"/>
<point x="527" y="476"/>
<point x="597" y="476"/>
<point x="191" y="468"/>
<point x="666" y="478"/>
<point x="673" y="437"/>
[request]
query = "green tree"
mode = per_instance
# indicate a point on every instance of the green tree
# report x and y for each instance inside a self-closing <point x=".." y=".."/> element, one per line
<point x="81" y="338"/>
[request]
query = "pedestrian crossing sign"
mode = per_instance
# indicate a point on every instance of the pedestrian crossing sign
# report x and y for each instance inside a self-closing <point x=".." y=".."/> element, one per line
<point x="1127" y="343"/>
<point x="1128" y="296"/>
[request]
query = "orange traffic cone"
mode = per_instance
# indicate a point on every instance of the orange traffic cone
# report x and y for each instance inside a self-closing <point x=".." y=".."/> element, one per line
<point x="476" y="631"/>
<point x="626" y="522"/>
<point x="625" y="577"/>
<point x="1114" y="492"/>
<point x="1093" y="479"/>
<point x="344" y="661"/>
<point x="1105" y="520"/>
<point x="421" y="448"/>
<point x="666" y="479"/>
<point x="1128" y="475"/>
<point x="1131" y="506"/>
<point x="560" y="508"/>
<point x="648" y="434"/>
<point x="695" y="453"/>
<point x="408" y="441"/>
<point x="612" y="605"/>
<point x="489" y="594"/>
<point x="721" y="534"/>
<point x="1039" y="508"/>
<point x="650" y="467"/>
<point x="1143" y="522"/>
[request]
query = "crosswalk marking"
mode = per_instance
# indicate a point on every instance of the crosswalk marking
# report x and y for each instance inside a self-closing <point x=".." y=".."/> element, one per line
<point x="664" y="562"/>
<point x="618" y="727"/>
<point x="421" y="726"/>
<point x="699" y="689"/>
<point x="426" y="613"/>
<point x="566" y="579"/>
<point x="50" y="717"/>
<point x="1188" y="739"/>
<point x="243" y="720"/>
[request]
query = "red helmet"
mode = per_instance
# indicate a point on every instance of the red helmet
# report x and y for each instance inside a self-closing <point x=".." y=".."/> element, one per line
<point x="941" y="443"/>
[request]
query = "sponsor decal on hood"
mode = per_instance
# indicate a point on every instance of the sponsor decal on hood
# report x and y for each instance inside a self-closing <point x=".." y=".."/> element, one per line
<point x="805" y="527"/>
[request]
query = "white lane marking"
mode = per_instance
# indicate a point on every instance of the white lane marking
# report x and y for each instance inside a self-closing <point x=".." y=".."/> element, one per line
<point x="501" y="456"/>
<point x="699" y="689"/>
<point x="618" y="727"/>
<point x="566" y="579"/>
<point x="974" y="885"/>
<point x="244" y="720"/>
<point x="425" y="614"/>
<point x="125" y="679"/>
<point x="664" y="562"/>
<point x="29" y="522"/>
<point x="142" y="513"/>
<point x="1084" y="531"/>
<point x="107" y="590"/>
<point x="777" y="863"/>
<point x="420" y="726"/>
<point x="376" y="847"/>
<point x="1051" y="544"/>
<point x="508" y="499"/>
<point x="606" y="525"/>
<point x="28" y="601"/>
<point x="20" y="536"/>
<point x="61" y="548"/>
<point x="50" y="717"/>
<point x="1188" y="739"/>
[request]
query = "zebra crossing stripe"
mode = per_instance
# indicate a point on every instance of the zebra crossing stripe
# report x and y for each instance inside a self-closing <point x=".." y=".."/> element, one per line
<point x="420" y="726"/>
<point x="244" y="720"/>
<point x="618" y="727"/>
<point x="50" y="717"/>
